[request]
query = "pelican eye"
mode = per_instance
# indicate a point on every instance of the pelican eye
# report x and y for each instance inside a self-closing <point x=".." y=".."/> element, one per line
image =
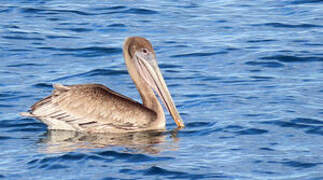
<point x="145" y="51"/>
<point x="146" y="54"/>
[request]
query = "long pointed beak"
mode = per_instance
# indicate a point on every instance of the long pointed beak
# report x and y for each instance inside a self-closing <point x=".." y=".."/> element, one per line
<point x="154" y="78"/>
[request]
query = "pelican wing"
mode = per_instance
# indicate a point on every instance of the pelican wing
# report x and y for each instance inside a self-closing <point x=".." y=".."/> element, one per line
<point x="91" y="108"/>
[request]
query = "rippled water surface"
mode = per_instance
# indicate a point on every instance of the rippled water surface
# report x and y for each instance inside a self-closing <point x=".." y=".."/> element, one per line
<point x="246" y="76"/>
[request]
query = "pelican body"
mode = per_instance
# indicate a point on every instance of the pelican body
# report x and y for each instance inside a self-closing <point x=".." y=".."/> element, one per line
<point x="94" y="108"/>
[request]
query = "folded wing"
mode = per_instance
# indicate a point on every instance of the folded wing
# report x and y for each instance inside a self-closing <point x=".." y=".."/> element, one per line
<point x="92" y="108"/>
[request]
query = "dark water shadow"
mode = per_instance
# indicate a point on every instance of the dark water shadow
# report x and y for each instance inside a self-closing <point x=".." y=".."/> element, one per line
<point x="151" y="142"/>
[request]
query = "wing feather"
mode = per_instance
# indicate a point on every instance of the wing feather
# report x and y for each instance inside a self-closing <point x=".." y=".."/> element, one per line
<point x="91" y="107"/>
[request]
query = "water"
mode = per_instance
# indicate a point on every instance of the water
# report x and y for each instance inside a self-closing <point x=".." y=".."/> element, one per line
<point x="246" y="77"/>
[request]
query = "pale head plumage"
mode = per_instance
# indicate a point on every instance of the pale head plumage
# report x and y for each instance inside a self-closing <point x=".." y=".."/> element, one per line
<point x="140" y="55"/>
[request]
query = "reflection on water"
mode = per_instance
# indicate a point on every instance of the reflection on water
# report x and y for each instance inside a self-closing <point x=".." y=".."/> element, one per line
<point x="152" y="142"/>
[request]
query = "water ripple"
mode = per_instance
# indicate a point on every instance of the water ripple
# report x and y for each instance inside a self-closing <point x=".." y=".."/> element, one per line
<point x="284" y="58"/>
<point x="17" y="37"/>
<point x="199" y="124"/>
<point x="306" y="1"/>
<point x="83" y="13"/>
<point x="270" y="64"/>
<point x="60" y="37"/>
<point x="158" y="171"/>
<point x="43" y="85"/>
<point x="154" y="170"/>
<point x="243" y="131"/>
<point x="284" y="25"/>
<point x="315" y="130"/>
<point x="201" y="54"/>
<point x="310" y="126"/>
<point x="266" y="149"/>
<point x="53" y="162"/>
<point x="5" y="137"/>
<point x="297" y="164"/>
<point x="95" y="72"/>
<point x="25" y="65"/>
<point x="139" y="11"/>
<point x="199" y="132"/>
<point x="261" y="41"/>
<point x="97" y="8"/>
<point x="78" y="30"/>
<point x="130" y="157"/>
<point x="287" y="124"/>
<point x="52" y="11"/>
<point x="117" y="25"/>
<point x="252" y="131"/>
<point x="170" y="66"/>
<point x="307" y="121"/>
<point x="92" y="51"/>
<point x="14" y="126"/>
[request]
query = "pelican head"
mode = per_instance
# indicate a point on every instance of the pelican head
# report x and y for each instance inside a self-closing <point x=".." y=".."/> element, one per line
<point x="141" y="60"/>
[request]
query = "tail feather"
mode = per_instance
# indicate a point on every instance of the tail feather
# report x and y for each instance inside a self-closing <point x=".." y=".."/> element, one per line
<point x="61" y="87"/>
<point x="48" y="112"/>
<point x="41" y="102"/>
<point x="27" y="114"/>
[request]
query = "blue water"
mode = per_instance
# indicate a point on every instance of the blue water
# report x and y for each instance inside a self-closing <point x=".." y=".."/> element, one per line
<point x="247" y="77"/>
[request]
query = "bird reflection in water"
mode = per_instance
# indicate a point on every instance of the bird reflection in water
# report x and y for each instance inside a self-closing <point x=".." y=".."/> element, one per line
<point x="151" y="142"/>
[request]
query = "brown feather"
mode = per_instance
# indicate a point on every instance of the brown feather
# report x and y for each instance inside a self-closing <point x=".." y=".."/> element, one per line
<point x="92" y="108"/>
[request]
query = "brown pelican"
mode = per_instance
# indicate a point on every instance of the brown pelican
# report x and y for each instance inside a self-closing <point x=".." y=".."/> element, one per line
<point x="94" y="108"/>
